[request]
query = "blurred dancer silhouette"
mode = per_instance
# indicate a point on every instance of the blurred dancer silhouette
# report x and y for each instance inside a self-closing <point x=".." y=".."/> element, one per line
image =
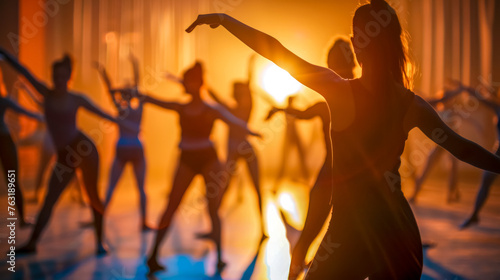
<point x="47" y="152"/>
<point x="291" y="140"/>
<point x="8" y="153"/>
<point x="488" y="177"/>
<point x="74" y="149"/>
<point x="373" y="232"/>
<point x="129" y="146"/>
<point x="198" y="156"/>
<point x="238" y="147"/>
<point x="446" y="111"/>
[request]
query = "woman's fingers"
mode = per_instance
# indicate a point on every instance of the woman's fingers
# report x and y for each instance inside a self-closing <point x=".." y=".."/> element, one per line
<point x="192" y="26"/>
<point x="213" y="20"/>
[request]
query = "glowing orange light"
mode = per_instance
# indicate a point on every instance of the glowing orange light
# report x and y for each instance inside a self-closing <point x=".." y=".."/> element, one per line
<point x="277" y="254"/>
<point x="288" y="204"/>
<point x="278" y="83"/>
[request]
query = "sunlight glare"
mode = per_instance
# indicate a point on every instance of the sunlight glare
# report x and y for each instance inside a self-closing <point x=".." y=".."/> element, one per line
<point x="278" y="83"/>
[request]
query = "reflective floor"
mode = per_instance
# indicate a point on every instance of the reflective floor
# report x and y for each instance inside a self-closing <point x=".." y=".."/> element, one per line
<point x="66" y="250"/>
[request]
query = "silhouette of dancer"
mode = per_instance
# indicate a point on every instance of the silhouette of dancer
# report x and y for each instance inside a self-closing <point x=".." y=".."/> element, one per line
<point x="47" y="152"/>
<point x="238" y="147"/>
<point x="8" y="153"/>
<point x="373" y="232"/>
<point x="488" y="178"/>
<point x="448" y="116"/>
<point x="341" y="58"/>
<point x="74" y="149"/>
<point x="198" y="156"/>
<point x="129" y="146"/>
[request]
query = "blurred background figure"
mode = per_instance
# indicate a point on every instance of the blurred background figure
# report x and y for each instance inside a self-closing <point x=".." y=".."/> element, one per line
<point x="8" y="153"/>
<point x="198" y="156"/>
<point x="488" y="178"/>
<point x="238" y="146"/>
<point x="74" y="149"/>
<point x="129" y="147"/>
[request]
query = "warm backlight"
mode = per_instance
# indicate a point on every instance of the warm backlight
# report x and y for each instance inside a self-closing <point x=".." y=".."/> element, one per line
<point x="278" y="83"/>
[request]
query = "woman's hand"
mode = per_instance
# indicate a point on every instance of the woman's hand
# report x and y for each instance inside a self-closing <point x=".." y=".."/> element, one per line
<point x="271" y="113"/>
<point x="214" y="20"/>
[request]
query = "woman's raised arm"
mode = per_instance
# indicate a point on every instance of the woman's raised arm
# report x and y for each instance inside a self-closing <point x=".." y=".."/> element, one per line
<point x="320" y="79"/>
<point x="38" y="85"/>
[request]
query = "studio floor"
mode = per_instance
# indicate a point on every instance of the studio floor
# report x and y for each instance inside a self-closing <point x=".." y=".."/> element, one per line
<point x="66" y="250"/>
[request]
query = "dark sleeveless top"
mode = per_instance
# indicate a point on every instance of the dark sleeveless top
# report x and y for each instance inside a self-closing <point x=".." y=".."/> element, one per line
<point x="61" y="120"/>
<point x="196" y="126"/>
<point x="133" y="116"/>
<point x="369" y="208"/>
<point x="370" y="148"/>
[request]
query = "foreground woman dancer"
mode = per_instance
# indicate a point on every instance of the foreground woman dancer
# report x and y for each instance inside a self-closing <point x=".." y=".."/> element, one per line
<point x="129" y="146"/>
<point x="74" y="149"/>
<point x="8" y="153"/>
<point x="372" y="232"/>
<point x="198" y="156"/>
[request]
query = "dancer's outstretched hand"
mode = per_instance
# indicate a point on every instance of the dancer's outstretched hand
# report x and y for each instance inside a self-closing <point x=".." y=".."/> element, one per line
<point x="214" y="20"/>
<point x="271" y="113"/>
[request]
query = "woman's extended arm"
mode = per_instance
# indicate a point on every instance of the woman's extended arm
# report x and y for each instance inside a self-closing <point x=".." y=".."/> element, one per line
<point x="84" y="102"/>
<point x="320" y="79"/>
<point x="90" y="106"/>
<point x="28" y="90"/>
<point x="19" y="109"/>
<point x="423" y="116"/>
<point x="164" y="104"/>
<point x="38" y="85"/>
<point x="319" y="109"/>
<point x="219" y="101"/>
<point x="229" y="118"/>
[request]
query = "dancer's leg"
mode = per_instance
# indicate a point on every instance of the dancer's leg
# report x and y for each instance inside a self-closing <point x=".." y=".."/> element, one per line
<point x="453" y="192"/>
<point x="253" y="168"/>
<point x="116" y="172"/>
<point x="214" y="189"/>
<point x="433" y="157"/>
<point x="9" y="161"/>
<point x="482" y="195"/>
<point x="47" y="153"/>
<point x="90" y="173"/>
<point x="140" y="174"/>
<point x="61" y="175"/>
<point x="182" y="180"/>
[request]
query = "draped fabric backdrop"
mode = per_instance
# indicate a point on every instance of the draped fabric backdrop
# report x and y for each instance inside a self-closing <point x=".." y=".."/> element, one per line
<point x="152" y="30"/>
<point x="452" y="39"/>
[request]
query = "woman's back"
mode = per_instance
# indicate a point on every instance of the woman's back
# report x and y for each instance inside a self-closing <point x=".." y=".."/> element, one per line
<point x="369" y="149"/>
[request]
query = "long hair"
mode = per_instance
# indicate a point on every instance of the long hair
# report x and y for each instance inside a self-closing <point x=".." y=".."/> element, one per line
<point x="382" y="41"/>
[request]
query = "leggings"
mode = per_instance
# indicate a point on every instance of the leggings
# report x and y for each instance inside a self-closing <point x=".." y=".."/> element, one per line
<point x="8" y="157"/>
